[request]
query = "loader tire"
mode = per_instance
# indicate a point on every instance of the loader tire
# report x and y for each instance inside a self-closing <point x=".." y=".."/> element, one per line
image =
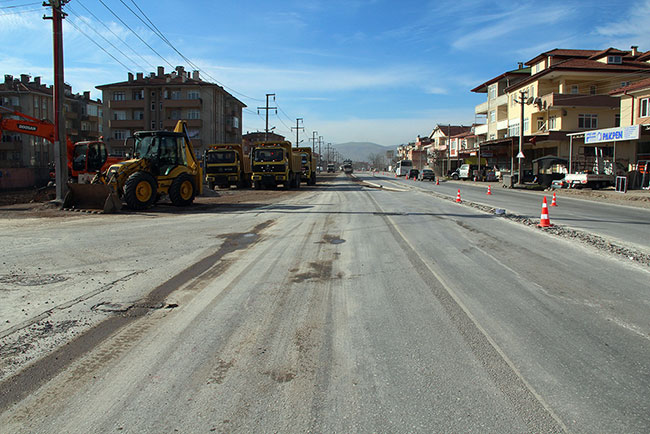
<point x="182" y="190"/>
<point x="140" y="190"/>
<point x="257" y="185"/>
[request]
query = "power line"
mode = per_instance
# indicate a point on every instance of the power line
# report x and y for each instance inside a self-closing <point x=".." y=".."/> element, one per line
<point x="4" y="14"/>
<point x="20" y="6"/>
<point x="117" y="36"/>
<point x="138" y="36"/>
<point x="105" y="39"/>
<point x="94" y="42"/>
<point x="158" y="33"/>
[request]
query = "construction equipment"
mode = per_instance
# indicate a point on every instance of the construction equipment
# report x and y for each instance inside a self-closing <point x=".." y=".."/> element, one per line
<point x="274" y="163"/>
<point x="85" y="159"/>
<point x="226" y="165"/>
<point x="307" y="165"/>
<point x="164" y="163"/>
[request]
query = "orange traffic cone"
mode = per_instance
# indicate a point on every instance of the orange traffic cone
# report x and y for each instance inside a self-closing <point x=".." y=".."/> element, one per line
<point x="553" y="202"/>
<point x="489" y="192"/>
<point x="458" y="196"/>
<point x="544" y="221"/>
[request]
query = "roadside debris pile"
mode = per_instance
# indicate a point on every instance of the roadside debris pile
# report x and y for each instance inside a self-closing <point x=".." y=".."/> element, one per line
<point x="595" y="241"/>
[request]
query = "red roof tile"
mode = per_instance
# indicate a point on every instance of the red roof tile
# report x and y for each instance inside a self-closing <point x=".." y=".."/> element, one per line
<point x="645" y="83"/>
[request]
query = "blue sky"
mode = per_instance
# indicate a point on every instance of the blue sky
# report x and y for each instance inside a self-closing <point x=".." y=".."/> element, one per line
<point x="374" y="70"/>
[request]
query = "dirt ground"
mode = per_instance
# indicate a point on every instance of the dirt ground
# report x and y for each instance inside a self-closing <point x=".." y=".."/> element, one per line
<point x="36" y="203"/>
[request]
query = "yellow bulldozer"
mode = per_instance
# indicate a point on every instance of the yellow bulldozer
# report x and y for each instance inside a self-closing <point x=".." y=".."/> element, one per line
<point x="163" y="163"/>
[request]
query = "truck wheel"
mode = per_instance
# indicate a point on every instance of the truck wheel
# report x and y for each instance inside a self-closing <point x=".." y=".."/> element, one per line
<point x="257" y="185"/>
<point x="312" y="180"/>
<point x="182" y="190"/>
<point x="454" y="176"/>
<point x="140" y="190"/>
<point x="211" y="185"/>
<point x="298" y="180"/>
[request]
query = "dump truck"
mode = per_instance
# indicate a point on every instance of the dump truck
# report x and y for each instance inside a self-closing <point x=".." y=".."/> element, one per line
<point x="274" y="163"/>
<point x="347" y="167"/>
<point x="227" y="165"/>
<point x="307" y="165"/>
<point x="163" y="163"/>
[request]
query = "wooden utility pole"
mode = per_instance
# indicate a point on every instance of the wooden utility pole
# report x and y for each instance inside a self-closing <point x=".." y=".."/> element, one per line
<point x="522" y="101"/>
<point x="298" y="128"/>
<point x="60" y="144"/>
<point x="267" y="108"/>
<point x="313" y="141"/>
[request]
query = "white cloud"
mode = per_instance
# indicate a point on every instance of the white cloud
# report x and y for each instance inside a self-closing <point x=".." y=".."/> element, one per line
<point x="630" y="29"/>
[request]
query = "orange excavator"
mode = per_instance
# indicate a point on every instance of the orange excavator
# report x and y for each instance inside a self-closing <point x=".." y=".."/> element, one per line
<point x="84" y="158"/>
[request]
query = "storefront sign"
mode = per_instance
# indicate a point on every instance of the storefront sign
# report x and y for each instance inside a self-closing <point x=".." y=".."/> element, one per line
<point x="612" y="134"/>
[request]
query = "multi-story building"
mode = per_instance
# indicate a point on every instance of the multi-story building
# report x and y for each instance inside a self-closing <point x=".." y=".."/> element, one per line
<point x="438" y="150"/>
<point x="566" y="91"/>
<point x="159" y="100"/>
<point x="25" y="158"/>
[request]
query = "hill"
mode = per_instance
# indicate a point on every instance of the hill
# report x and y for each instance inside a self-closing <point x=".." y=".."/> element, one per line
<point x="360" y="151"/>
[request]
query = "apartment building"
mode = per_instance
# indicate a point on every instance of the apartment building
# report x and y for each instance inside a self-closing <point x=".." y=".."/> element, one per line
<point x="160" y="99"/>
<point x="565" y="91"/>
<point x="24" y="159"/>
<point x="438" y="149"/>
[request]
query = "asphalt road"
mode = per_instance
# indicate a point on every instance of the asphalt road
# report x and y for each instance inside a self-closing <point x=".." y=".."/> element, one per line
<point x="624" y="224"/>
<point x="342" y="309"/>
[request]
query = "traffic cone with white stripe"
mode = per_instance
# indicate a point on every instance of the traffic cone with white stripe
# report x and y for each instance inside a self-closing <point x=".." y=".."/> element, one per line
<point x="553" y="202"/>
<point x="489" y="192"/>
<point x="544" y="221"/>
<point x="458" y="196"/>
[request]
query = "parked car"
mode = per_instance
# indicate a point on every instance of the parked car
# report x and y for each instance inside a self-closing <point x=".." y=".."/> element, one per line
<point x="426" y="174"/>
<point x="413" y="173"/>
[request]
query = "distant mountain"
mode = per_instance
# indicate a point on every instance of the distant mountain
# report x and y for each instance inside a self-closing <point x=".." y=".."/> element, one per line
<point x="360" y="151"/>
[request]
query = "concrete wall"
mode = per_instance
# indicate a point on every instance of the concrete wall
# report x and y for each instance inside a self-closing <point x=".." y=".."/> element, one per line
<point x="21" y="178"/>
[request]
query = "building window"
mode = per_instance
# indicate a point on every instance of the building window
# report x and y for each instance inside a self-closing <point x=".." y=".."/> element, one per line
<point x="513" y="130"/>
<point x="153" y="125"/>
<point x="85" y="126"/>
<point x="625" y="83"/>
<point x="175" y="115"/>
<point x="552" y="123"/>
<point x="92" y="110"/>
<point x="119" y="115"/>
<point x="526" y="124"/>
<point x="615" y="59"/>
<point x="574" y="89"/>
<point x="119" y="134"/>
<point x="153" y="106"/>
<point x="593" y="90"/>
<point x="587" y="121"/>
<point x="617" y="120"/>
<point x="532" y="91"/>
<point x="118" y="96"/>
<point x="193" y="94"/>
<point x="235" y="122"/>
<point x="193" y="114"/>
<point x="138" y="115"/>
<point x="492" y="92"/>
<point x="493" y="115"/>
<point x="176" y="94"/>
<point x="541" y="125"/>
<point x="644" y="107"/>
<point x="138" y="94"/>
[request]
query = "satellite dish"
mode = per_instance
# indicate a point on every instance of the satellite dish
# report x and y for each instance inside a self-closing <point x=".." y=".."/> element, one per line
<point x="530" y="100"/>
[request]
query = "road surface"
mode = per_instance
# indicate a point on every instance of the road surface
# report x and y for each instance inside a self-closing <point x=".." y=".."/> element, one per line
<point x="339" y="309"/>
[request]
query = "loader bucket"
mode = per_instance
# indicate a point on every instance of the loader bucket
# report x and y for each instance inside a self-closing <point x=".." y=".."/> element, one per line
<point x="92" y="197"/>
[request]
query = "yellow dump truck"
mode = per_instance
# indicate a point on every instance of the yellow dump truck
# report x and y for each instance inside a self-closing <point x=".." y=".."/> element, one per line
<point x="227" y="165"/>
<point x="274" y="163"/>
<point x="307" y="164"/>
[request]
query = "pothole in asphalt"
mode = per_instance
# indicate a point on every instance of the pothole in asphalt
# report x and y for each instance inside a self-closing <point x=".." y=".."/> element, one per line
<point x="34" y="280"/>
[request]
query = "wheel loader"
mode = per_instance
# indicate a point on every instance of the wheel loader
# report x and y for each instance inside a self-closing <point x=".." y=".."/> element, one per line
<point x="163" y="163"/>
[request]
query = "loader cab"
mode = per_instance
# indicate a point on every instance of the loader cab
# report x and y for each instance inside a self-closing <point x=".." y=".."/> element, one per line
<point x="164" y="150"/>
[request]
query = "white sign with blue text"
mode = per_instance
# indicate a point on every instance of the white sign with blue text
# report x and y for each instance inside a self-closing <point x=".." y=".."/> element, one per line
<point x="612" y="134"/>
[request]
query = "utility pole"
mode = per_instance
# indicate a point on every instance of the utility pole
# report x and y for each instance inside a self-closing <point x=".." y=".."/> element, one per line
<point x="520" y="155"/>
<point x="298" y="128"/>
<point x="320" y="159"/>
<point x="328" y="152"/>
<point x="267" y="108"/>
<point x="313" y="141"/>
<point x="60" y="144"/>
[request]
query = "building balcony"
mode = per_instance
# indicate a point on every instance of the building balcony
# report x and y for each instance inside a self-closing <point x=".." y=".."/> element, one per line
<point x="191" y="123"/>
<point x="71" y="115"/>
<point x="481" y="109"/>
<point x="484" y="108"/>
<point x="126" y="104"/>
<point x="502" y="125"/>
<point x="181" y="103"/>
<point x="578" y="100"/>
<point x="481" y="129"/>
<point x="139" y="124"/>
